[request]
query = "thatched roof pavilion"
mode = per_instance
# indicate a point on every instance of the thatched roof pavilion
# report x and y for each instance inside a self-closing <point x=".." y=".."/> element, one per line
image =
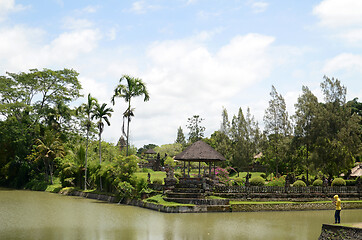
<point x="200" y="152"/>
<point x="150" y="151"/>
<point x="356" y="171"/>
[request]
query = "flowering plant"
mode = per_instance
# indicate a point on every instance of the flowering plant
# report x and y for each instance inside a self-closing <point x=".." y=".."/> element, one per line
<point x="222" y="175"/>
<point x="274" y="181"/>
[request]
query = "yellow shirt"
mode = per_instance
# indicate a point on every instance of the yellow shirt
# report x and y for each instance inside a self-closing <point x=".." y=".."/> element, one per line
<point x="338" y="204"/>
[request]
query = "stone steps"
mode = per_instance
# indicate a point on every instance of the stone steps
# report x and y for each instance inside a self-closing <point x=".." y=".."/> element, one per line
<point x="201" y="201"/>
<point x="184" y="195"/>
<point x="188" y="190"/>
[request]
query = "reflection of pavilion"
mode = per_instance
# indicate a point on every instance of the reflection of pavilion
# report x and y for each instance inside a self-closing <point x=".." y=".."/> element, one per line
<point x="199" y="152"/>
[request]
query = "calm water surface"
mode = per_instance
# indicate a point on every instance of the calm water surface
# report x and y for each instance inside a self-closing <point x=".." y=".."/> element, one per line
<point x="40" y="215"/>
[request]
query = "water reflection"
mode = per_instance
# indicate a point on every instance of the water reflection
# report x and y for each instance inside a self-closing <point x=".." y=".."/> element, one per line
<point x="39" y="215"/>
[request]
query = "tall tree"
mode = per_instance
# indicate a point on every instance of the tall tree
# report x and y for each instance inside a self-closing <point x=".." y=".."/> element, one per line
<point x="337" y="130"/>
<point x="101" y="113"/>
<point x="196" y="131"/>
<point x="306" y="110"/>
<point x="277" y="126"/>
<point x="180" y="137"/>
<point x="240" y="137"/>
<point x="134" y="87"/>
<point x="48" y="148"/>
<point x="88" y="110"/>
<point x="225" y="124"/>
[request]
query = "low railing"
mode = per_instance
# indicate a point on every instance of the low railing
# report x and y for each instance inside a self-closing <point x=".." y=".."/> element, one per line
<point x="274" y="189"/>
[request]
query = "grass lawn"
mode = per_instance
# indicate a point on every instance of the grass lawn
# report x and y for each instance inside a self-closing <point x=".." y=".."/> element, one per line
<point x="243" y="174"/>
<point x="154" y="175"/>
<point x="159" y="200"/>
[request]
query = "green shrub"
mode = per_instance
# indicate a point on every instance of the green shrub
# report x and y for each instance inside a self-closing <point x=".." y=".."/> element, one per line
<point x="239" y="181"/>
<point x="350" y="183"/>
<point x="147" y="170"/>
<point x="318" y="183"/>
<point x="277" y="182"/>
<point x="125" y="189"/>
<point x="141" y="184"/>
<point x="157" y="181"/>
<point x="338" y="182"/>
<point x="263" y="175"/>
<point x="299" y="183"/>
<point x="257" y="181"/>
<point x="37" y="185"/>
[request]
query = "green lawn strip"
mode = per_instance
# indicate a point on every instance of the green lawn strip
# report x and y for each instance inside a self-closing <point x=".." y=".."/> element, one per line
<point x="243" y="174"/>
<point x="157" y="199"/>
<point x="214" y="197"/>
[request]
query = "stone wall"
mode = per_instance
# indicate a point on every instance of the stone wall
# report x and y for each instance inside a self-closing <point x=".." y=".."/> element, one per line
<point x="245" y="207"/>
<point x="340" y="232"/>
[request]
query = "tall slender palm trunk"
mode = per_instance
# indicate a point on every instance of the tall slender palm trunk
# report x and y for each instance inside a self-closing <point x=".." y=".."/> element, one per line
<point x="86" y="162"/>
<point x="100" y="158"/>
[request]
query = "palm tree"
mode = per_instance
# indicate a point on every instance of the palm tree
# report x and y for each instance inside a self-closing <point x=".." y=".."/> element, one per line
<point x="135" y="87"/>
<point x="101" y="113"/>
<point x="88" y="109"/>
<point x="48" y="148"/>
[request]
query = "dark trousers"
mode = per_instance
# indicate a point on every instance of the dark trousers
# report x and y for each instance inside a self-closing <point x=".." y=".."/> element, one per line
<point x="337" y="216"/>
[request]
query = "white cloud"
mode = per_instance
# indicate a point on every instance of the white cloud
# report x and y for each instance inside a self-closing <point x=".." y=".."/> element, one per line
<point x="141" y="7"/>
<point x="344" y="61"/>
<point x="185" y="78"/>
<point x="23" y="48"/>
<point x="352" y="36"/>
<point x="8" y="6"/>
<point x="259" y="7"/>
<point x="76" y="23"/>
<point x="190" y="2"/>
<point x="337" y="13"/>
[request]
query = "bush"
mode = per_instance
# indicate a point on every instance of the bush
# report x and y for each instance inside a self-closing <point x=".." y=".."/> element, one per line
<point x="263" y="175"/>
<point x="277" y="182"/>
<point x="37" y="185"/>
<point x="157" y="181"/>
<point x="318" y="183"/>
<point x="350" y="183"/>
<point x="299" y="183"/>
<point x="239" y="181"/>
<point x="257" y="181"/>
<point x="338" y="182"/>
<point x="125" y="189"/>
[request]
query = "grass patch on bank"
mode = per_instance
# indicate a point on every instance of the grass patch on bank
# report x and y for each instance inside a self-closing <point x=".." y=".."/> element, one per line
<point x="214" y="197"/>
<point x="158" y="199"/>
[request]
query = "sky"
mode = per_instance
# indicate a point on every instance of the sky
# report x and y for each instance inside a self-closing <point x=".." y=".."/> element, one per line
<point x="195" y="56"/>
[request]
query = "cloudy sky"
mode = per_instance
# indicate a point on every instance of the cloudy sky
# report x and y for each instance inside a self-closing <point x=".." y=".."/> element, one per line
<point x="196" y="56"/>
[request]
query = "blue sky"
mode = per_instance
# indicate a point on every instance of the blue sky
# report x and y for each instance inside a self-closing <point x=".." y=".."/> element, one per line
<point x="196" y="56"/>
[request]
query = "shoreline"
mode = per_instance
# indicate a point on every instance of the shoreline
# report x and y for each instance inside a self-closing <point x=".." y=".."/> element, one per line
<point x="233" y="207"/>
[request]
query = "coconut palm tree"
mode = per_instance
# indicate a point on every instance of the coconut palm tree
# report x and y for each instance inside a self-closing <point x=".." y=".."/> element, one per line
<point x="88" y="109"/>
<point x="101" y="113"/>
<point x="134" y="87"/>
<point x="48" y="148"/>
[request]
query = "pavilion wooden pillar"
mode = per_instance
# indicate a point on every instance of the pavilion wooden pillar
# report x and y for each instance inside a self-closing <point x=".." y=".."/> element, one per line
<point x="188" y="170"/>
<point x="210" y="169"/>
<point x="184" y="168"/>
<point x="199" y="169"/>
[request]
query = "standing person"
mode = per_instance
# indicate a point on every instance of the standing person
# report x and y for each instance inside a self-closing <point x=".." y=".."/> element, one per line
<point x="337" y="214"/>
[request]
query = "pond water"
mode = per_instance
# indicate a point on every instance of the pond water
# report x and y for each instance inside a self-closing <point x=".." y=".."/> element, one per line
<point x="41" y="215"/>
